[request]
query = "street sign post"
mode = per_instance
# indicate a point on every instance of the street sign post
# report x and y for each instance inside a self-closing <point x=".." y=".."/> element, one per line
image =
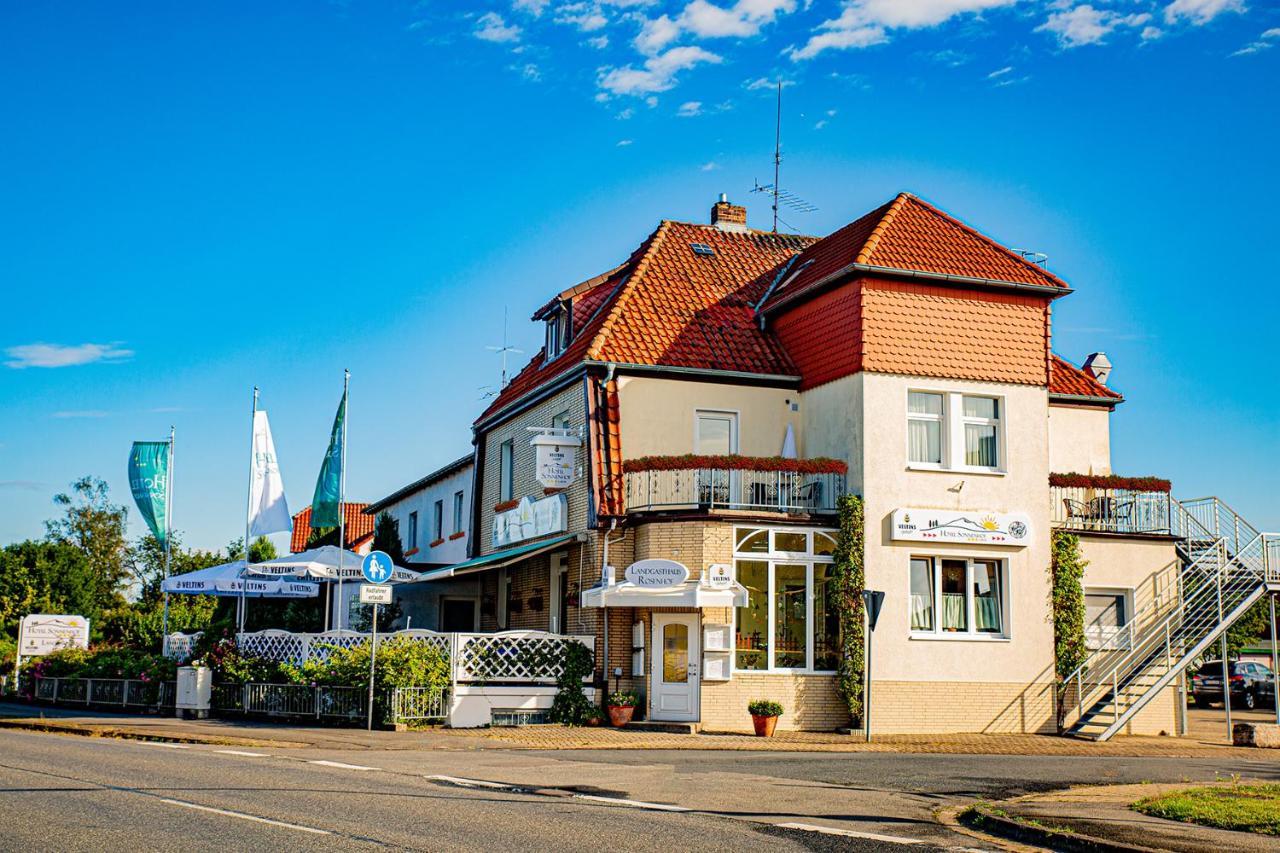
<point x="872" y="601"/>
<point x="376" y="568"/>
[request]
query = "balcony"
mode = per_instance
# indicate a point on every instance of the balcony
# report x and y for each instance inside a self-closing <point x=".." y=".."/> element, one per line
<point x="1094" y="503"/>
<point x="752" y="483"/>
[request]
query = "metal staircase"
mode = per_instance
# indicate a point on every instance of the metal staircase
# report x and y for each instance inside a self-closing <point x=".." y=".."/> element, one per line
<point x="1227" y="565"/>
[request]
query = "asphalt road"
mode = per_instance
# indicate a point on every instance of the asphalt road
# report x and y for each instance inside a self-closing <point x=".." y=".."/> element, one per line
<point x="67" y="793"/>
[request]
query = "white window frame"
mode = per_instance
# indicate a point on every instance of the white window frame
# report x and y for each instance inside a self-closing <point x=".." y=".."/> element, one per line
<point x="970" y="634"/>
<point x="953" y="422"/>
<point x="459" y="511"/>
<point x="774" y="558"/>
<point x="1094" y="642"/>
<point x="507" y="470"/>
<point x="940" y="419"/>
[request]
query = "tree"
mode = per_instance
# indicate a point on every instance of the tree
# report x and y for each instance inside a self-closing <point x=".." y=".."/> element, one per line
<point x="386" y="537"/>
<point x="1248" y="630"/>
<point x="260" y="551"/>
<point x="141" y="624"/>
<point x="48" y="577"/>
<point x="96" y="526"/>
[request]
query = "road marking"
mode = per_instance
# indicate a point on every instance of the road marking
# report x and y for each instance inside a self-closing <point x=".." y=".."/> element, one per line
<point x="242" y="752"/>
<point x="166" y="745"/>
<point x="850" y="833"/>
<point x="341" y="766"/>
<point x="635" y="804"/>
<point x="244" y="816"/>
<point x="472" y="783"/>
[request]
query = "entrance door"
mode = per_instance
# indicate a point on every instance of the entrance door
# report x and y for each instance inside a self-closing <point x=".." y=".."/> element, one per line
<point x="674" y="682"/>
<point x="457" y="615"/>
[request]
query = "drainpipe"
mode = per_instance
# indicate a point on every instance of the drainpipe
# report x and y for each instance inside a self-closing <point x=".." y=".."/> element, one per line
<point x="604" y="571"/>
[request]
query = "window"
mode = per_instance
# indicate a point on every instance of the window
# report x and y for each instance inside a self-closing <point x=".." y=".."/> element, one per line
<point x="716" y="433"/>
<point x="413" y="530"/>
<point x="956" y="596"/>
<point x="924" y="428"/>
<point x="1106" y="614"/>
<point x="458" y="509"/>
<point x="954" y="431"/>
<point x="790" y="620"/>
<point x="506" y="470"/>
<point x="437" y="521"/>
<point x="561" y="421"/>
<point x="558" y="332"/>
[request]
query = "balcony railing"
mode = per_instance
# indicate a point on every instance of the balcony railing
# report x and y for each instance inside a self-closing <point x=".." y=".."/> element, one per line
<point x="794" y="492"/>
<point x="1109" y="510"/>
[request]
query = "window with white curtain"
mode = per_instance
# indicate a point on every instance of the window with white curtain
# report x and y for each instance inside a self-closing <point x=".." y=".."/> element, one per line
<point x="957" y="598"/>
<point x="924" y="427"/>
<point x="981" y="431"/>
<point x="948" y="430"/>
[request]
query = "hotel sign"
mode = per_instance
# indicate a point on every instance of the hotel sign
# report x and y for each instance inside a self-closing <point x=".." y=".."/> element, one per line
<point x="42" y="633"/>
<point x="531" y="519"/>
<point x="657" y="574"/>
<point x="974" y="528"/>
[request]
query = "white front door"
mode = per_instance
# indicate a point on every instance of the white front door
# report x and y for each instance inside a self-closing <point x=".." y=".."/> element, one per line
<point x="674" y="682"/>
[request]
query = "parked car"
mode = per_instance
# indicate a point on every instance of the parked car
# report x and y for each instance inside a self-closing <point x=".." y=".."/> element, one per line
<point x="1252" y="684"/>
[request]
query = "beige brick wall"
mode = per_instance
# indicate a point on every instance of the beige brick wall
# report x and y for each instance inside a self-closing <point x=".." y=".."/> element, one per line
<point x="524" y="480"/>
<point x="809" y="702"/>
<point x="961" y="706"/>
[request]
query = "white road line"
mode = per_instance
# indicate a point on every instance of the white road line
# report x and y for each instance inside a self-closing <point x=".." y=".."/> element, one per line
<point x="165" y="745"/>
<point x="635" y="804"/>
<point x="242" y="752"/>
<point x="341" y="766"/>
<point x="243" y="816"/>
<point x="472" y="783"/>
<point x="870" y="836"/>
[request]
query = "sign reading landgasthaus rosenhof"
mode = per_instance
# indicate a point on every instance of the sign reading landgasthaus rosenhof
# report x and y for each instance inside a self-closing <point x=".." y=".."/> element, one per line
<point x="657" y="573"/>
<point x="974" y="527"/>
<point x="43" y="633"/>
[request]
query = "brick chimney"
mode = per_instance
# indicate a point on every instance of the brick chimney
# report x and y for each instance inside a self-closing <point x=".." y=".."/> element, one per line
<point x="728" y="217"/>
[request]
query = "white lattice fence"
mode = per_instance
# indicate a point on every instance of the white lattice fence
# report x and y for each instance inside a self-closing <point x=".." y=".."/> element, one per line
<point x="298" y="648"/>
<point x="515" y="656"/>
<point x="179" y="646"/>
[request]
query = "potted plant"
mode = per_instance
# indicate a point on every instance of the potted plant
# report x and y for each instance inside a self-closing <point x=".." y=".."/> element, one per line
<point x="764" y="716"/>
<point x="621" y="705"/>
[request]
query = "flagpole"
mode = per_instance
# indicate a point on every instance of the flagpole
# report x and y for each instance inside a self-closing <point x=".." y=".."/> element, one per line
<point x="168" y="543"/>
<point x="248" y="513"/>
<point x="342" y="497"/>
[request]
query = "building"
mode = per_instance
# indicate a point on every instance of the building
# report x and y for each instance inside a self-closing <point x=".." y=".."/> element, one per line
<point x="433" y="515"/>
<point x="716" y="394"/>
<point x="357" y="529"/>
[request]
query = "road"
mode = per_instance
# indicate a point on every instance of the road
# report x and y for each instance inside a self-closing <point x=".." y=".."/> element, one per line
<point x="67" y="793"/>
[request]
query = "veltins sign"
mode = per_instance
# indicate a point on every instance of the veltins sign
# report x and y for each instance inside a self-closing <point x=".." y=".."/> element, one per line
<point x="980" y="527"/>
<point x="531" y="519"/>
<point x="718" y="576"/>
<point x="42" y="633"/>
<point x="657" y="573"/>
<point x="554" y="464"/>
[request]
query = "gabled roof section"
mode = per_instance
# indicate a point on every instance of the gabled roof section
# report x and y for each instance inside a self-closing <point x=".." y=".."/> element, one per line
<point x="1068" y="382"/>
<point x="670" y="305"/>
<point x="911" y="236"/>
<point x="356" y="526"/>
<point x="418" y="485"/>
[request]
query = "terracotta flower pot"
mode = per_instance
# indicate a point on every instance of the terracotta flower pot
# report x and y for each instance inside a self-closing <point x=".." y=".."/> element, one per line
<point x="620" y="715"/>
<point x="764" y="725"/>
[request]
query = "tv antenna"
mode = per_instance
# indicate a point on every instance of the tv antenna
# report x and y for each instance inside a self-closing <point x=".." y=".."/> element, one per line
<point x="781" y="196"/>
<point x="504" y="349"/>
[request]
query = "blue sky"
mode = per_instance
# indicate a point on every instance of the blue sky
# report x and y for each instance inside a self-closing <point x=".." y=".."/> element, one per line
<point x="203" y="196"/>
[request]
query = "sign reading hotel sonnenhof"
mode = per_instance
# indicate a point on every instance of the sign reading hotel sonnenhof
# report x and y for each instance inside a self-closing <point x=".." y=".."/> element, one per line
<point x="977" y="527"/>
<point x="42" y="633"/>
<point x="657" y="573"/>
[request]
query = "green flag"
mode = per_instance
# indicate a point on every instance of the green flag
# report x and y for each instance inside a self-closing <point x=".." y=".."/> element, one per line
<point x="149" y="482"/>
<point x="324" y="505"/>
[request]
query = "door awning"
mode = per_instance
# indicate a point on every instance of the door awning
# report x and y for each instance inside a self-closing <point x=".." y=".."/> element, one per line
<point x="497" y="559"/>
<point x="688" y="594"/>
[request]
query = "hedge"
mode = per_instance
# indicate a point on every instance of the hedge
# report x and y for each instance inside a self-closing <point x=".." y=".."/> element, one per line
<point x="1110" y="481"/>
<point x="734" y="462"/>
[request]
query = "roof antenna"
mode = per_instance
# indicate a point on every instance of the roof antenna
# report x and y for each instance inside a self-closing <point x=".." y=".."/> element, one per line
<point x="504" y="349"/>
<point x="775" y="189"/>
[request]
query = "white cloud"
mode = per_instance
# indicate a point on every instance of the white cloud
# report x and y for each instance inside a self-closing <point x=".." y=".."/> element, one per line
<point x="584" y="16"/>
<point x="623" y="143"/>
<point x="999" y="72"/>
<point x="57" y="355"/>
<point x="1084" y="24"/>
<point x="1151" y="33"/>
<point x="491" y="27"/>
<point x="21" y="485"/>
<point x="532" y="7"/>
<point x="598" y="42"/>
<point x="953" y="58"/>
<point x="1200" y="12"/>
<point x="656" y="34"/>
<point x="703" y="19"/>
<point x="820" y="125"/>
<point x="689" y="109"/>
<point x="529" y="71"/>
<point x="863" y="23"/>
<point x="81" y="413"/>
<point x="656" y="75"/>
<point x="709" y="166"/>
<point x="765" y="83"/>
<point x="1273" y="33"/>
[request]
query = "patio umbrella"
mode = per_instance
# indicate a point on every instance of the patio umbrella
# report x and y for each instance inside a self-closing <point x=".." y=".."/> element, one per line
<point x="328" y="562"/>
<point x="789" y="444"/>
<point x="228" y="579"/>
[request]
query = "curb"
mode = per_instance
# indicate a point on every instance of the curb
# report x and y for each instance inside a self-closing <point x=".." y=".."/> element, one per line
<point x="983" y="817"/>
<point x="52" y="727"/>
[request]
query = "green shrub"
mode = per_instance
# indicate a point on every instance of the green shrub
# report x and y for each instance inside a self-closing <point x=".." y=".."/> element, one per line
<point x="849" y="580"/>
<point x="764" y="708"/>
<point x="109" y="662"/>
<point x="571" y="706"/>
<point x="1066" y="603"/>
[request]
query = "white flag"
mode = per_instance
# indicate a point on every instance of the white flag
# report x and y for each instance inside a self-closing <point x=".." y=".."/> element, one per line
<point x="268" y="511"/>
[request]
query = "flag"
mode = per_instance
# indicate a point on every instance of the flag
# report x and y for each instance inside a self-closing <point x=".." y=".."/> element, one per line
<point x="268" y="510"/>
<point x="324" y="505"/>
<point x="149" y="482"/>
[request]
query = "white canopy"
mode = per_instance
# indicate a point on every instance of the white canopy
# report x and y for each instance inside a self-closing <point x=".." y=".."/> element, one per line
<point x="228" y="580"/>
<point x="688" y="594"/>
<point x="328" y="562"/>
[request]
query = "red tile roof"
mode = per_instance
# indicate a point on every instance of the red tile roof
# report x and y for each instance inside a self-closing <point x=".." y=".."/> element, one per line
<point x="669" y="305"/>
<point x="356" y="526"/>
<point x="1067" y="380"/>
<point x="911" y="235"/>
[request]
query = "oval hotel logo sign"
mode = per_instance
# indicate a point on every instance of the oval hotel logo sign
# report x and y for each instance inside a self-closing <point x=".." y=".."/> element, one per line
<point x="657" y="573"/>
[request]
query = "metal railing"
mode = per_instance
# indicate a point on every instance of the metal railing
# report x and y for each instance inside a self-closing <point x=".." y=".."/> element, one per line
<point x="418" y="704"/>
<point x="1109" y="510"/>
<point x="297" y="701"/>
<point x="132" y="693"/>
<point x="298" y="648"/>
<point x="717" y="488"/>
<point x="1223" y="576"/>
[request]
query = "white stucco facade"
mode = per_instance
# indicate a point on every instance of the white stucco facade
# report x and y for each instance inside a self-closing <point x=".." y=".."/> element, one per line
<point x="1079" y="439"/>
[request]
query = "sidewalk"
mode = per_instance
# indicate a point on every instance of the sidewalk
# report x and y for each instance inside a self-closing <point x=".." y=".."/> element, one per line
<point x="231" y="732"/>
<point x="1100" y="819"/>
